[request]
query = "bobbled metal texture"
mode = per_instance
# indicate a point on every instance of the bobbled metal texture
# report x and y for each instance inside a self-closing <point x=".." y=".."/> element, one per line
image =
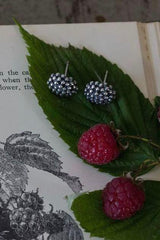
<point x="62" y="85"/>
<point x="99" y="92"/>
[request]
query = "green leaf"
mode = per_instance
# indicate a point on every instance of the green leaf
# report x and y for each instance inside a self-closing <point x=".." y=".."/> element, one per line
<point x="131" y="111"/>
<point x="127" y="161"/>
<point x="145" y="225"/>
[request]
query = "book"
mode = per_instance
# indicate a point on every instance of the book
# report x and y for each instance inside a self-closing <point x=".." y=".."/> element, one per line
<point x="135" y="47"/>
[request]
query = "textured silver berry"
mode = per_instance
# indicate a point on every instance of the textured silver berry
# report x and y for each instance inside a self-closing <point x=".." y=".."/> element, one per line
<point x="99" y="92"/>
<point x="62" y="85"/>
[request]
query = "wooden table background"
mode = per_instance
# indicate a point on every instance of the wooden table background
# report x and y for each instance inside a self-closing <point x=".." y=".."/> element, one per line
<point x="67" y="11"/>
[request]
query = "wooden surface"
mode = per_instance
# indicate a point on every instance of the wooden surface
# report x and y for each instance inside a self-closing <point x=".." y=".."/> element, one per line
<point x="66" y="11"/>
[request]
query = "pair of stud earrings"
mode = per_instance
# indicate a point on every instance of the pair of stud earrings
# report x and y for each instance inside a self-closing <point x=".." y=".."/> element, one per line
<point x="98" y="92"/>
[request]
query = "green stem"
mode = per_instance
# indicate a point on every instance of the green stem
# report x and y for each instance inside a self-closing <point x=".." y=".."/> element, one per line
<point x="141" y="139"/>
<point x="143" y="167"/>
<point x="146" y="164"/>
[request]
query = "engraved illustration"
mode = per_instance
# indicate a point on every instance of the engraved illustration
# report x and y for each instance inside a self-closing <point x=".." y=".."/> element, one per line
<point x="31" y="150"/>
<point x="22" y="214"/>
<point x="23" y="218"/>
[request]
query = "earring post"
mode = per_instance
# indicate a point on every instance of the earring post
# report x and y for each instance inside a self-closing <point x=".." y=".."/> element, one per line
<point x="105" y="76"/>
<point x="98" y="76"/>
<point x="66" y="69"/>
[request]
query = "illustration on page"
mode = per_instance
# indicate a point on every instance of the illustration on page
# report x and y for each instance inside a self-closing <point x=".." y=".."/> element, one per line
<point x="22" y="214"/>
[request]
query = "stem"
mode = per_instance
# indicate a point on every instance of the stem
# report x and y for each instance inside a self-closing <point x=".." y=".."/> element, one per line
<point x="51" y="211"/>
<point x="66" y="70"/>
<point x="141" y="139"/>
<point x="142" y="167"/>
<point x="147" y="163"/>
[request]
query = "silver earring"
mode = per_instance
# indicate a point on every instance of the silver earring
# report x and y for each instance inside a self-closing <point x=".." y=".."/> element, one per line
<point x="99" y="92"/>
<point x="61" y="85"/>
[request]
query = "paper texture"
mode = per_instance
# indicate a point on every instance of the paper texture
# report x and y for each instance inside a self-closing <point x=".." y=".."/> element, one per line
<point x="153" y="31"/>
<point x="20" y="111"/>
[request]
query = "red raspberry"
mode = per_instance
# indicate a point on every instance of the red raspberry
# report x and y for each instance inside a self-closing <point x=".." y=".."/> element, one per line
<point x="122" y="198"/>
<point x="98" y="145"/>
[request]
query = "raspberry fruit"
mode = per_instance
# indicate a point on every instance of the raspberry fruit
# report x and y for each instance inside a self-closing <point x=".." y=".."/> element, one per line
<point x="98" y="145"/>
<point x="53" y="223"/>
<point x="31" y="200"/>
<point x="122" y="198"/>
<point x="26" y="222"/>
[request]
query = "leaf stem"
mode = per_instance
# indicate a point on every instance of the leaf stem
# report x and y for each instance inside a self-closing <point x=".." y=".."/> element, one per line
<point x="144" y="166"/>
<point x="147" y="163"/>
<point x="141" y="139"/>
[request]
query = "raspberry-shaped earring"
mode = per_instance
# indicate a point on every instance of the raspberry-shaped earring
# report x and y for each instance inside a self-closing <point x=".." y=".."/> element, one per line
<point x="99" y="92"/>
<point x="62" y="85"/>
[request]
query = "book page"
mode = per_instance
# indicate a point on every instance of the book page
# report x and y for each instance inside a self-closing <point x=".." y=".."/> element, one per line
<point x="20" y="112"/>
<point x="153" y="34"/>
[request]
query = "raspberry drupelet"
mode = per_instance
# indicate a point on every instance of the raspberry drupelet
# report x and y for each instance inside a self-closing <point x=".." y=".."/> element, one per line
<point x="122" y="198"/>
<point x="98" y="145"/>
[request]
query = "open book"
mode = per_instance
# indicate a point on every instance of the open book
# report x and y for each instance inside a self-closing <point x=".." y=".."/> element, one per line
<point x="135" y="47"/>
